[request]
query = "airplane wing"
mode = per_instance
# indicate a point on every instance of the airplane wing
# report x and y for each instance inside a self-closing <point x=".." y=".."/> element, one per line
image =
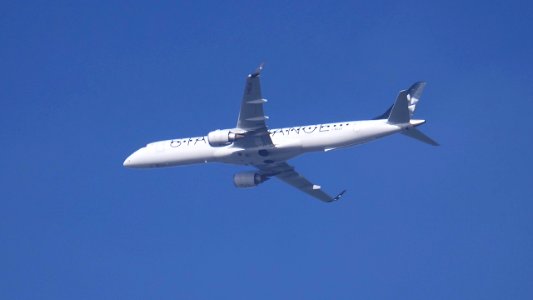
<point x="252" y="117"/>
<point x="287" y="174"/>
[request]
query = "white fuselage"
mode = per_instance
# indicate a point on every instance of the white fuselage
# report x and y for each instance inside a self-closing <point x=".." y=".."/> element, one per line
<point x="288" y="143"/>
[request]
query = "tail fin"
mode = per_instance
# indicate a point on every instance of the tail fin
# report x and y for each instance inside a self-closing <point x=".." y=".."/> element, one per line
<point x="403" y="109"/>
<point x="399" y="113"/>
<point x="413" y="95"/>
<point x="405" y="105"/>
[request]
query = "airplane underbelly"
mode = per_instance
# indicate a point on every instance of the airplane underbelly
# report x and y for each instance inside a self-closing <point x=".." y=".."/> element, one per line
<point x="325" y="141"/>
<point x="186" y="156"/>
<point x="281" y="151"/>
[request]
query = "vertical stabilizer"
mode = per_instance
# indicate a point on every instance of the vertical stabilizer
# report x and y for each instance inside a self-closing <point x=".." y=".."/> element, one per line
<point x="405" y="105"/>
<point x="400" y="111"/>
<point x="413" y="95"/>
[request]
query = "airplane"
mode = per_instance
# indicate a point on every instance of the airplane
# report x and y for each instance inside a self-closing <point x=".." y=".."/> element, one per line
<point x="251" y="143"/>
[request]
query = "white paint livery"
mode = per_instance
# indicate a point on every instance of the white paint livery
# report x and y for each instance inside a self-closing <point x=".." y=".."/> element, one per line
<point x="251" y="143"/>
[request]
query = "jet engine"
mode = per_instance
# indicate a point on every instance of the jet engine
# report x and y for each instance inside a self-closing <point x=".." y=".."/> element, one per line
<point x="224" y="137"/>
<point x="248" y="179"/>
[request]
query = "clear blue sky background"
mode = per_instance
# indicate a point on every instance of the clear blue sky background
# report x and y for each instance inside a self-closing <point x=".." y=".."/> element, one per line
<point x="84" y="84"/>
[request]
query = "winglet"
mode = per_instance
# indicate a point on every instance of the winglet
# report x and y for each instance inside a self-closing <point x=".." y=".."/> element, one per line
<point x="339" y="196"/>
<point x="257" y="71"/>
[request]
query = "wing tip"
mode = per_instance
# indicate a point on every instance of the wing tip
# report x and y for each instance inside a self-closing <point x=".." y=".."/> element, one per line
<point x="336" y="198"/>
<point x="257" y="71"/>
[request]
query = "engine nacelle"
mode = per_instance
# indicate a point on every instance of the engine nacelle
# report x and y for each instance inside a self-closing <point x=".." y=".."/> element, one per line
<point x="248" y="179"/>
<point x="224" y="137"/>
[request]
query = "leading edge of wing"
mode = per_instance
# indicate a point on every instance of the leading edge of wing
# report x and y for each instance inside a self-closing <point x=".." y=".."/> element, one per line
<point x="287" y="174"/>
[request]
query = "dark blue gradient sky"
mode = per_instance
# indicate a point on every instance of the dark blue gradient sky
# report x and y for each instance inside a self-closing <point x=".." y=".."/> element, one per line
<point x="84" y="84"/>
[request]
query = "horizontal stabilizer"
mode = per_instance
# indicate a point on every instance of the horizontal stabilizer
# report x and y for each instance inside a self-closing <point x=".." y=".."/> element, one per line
<point x="419" y="135"/>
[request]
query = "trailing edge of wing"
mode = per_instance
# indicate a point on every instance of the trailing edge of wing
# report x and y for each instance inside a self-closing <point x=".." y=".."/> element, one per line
<point x="252" y="119"/>
<point x="251" y="115"/>
<point x="287" y="174"/>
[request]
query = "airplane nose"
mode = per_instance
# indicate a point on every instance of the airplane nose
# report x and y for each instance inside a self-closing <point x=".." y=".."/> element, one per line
<point x="127" y="162"/>
<point x="130" y="161"/>
<point x="136" y="159"/>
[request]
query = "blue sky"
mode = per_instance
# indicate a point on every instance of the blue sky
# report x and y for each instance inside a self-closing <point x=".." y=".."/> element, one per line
<point x="85" y="84"/>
